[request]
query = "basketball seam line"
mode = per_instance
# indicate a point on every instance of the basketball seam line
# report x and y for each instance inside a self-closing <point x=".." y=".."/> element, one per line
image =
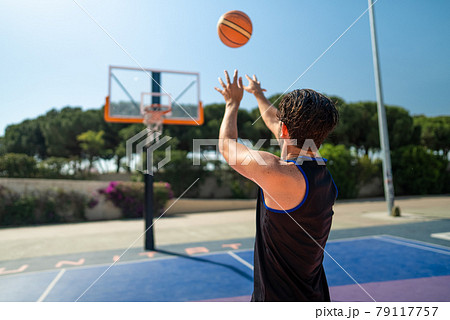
<point x="230" y="28"/>
<point x="239" y="14"/>
<point x="237" y="28"/>
<point x="236" y="43"/>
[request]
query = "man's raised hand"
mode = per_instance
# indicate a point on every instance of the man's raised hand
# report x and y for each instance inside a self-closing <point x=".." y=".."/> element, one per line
<point x="232" y="92"/>
<point x="254" y="86"/>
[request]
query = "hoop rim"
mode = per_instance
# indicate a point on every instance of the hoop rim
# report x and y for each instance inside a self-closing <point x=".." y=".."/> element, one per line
<point x="136" y="119"/>
<point x="157" y="105"/>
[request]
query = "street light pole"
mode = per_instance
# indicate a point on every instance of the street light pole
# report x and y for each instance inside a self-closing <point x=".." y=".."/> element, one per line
<point x="382" y="123"/>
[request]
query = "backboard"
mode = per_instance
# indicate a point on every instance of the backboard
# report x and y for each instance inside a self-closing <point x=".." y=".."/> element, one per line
<point x="132" y="89"/>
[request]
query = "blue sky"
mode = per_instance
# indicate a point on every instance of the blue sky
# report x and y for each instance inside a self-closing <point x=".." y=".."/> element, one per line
<point x="53" y="54"/>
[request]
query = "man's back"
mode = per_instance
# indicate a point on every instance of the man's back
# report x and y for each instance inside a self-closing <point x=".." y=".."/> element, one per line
<point x="289" y="244"/>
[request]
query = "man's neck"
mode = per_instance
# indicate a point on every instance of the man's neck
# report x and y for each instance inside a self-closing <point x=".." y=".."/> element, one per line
<point x="294" y="152"/>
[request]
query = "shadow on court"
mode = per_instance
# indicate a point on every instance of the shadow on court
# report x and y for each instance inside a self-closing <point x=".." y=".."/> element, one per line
<point x="373" y="265"/>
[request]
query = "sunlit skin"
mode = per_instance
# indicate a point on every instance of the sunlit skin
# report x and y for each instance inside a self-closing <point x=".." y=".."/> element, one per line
<point x="274" y="172"/>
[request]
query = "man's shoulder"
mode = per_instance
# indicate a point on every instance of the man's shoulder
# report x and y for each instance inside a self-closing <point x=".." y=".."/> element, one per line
<point x="286" y="175"/>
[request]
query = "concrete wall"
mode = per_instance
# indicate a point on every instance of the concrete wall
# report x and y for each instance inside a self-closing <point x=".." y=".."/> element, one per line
<point x="208" y="205"/>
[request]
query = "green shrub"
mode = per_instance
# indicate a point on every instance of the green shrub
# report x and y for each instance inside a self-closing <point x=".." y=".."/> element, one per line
<point x="367" y="169"/>
<point x="343" y="167"/>
<point x="52" y="168"/>
<point x="129" y="197"/>
<point x="17" y="165"/>
<point x="349" y="172"/>
<point x="180" y="172"/>
<point x="38" y="207"/>
<point x="417" y="170"/>
<point x="239" y="186"/>
<point x="16" y="209"/>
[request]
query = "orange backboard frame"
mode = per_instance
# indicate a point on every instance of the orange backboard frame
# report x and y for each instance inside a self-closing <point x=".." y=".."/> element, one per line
<point x="116" y="119"/>
<point x="198" y="120"/>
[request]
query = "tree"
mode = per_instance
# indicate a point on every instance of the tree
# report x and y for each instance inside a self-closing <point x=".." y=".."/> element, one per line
<point x="92" y="144"/>
<point x="357" y="126"/>
<point x="2" y="146"/>
<point x="401" y="128"/>
<point x="27" y="138"/>
<point x="434" y="132"/>
<point x="61" y="128"/>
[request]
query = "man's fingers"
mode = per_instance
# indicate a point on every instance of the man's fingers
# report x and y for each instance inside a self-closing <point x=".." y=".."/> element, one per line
<point x="248" y="78"/>
<point x="240" y="85"/>
<point x="221" y="82"/>
<point x="217" y="89"/>
<point x="235" y="76"/>
<point x="254" y="77"/>
<point x="227" y="77"/>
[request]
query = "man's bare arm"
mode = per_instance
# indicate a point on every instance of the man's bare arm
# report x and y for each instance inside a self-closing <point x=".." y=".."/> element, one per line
<point x="261" y="167"/>
<point x="268" y="111"/>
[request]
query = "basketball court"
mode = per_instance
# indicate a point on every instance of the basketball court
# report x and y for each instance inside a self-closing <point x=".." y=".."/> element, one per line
<point x="390" y="263"/>
<point x="407" y="262"/>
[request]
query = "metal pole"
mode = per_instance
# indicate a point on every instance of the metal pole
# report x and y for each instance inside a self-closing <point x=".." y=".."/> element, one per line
<point x="148" y="207"/>
<point x="148" y="178"/>
<point x="382" y="123"/>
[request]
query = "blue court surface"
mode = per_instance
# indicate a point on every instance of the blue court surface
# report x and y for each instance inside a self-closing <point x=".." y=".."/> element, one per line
<point x="386" y="268"/>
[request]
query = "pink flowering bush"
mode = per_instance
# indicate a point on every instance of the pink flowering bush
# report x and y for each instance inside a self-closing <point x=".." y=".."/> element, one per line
<point x="129" y="197"/>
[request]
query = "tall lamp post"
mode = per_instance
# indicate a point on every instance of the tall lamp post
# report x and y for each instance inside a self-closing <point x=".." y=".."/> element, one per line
<point x="382" y="123"/>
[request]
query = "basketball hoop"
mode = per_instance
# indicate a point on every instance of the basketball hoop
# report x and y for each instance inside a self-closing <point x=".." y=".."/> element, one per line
<point x="154" y="116"/>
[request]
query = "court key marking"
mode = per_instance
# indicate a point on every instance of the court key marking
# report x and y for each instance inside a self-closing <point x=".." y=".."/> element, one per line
<point x="245" y="263"/>
<point x="51" y="285"/>
<point x="21" y="269"/>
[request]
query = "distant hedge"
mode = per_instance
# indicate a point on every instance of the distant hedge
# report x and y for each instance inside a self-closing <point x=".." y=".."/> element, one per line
<point x="417" y="170"/>
<point x="39" y="207"/>
<point x="349" y="171"/>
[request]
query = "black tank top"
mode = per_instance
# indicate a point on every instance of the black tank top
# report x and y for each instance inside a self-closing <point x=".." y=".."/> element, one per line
<point x="287" y="262"/>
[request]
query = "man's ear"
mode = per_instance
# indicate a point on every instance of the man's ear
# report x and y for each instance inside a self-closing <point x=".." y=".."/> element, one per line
<point x="284" y="132"/>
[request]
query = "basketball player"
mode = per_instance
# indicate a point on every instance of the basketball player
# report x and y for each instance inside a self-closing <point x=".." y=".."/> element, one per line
<point x="297" y="193"/>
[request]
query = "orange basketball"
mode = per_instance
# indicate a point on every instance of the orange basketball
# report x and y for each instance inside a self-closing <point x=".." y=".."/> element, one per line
<point x="234" y="28"/>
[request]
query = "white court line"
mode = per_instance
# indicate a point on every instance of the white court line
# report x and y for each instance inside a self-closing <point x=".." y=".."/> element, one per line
<point x="352" y="239"/>
<point x="417" y="241"/>
<point x="245" y="263"/>
<point x="180" y="255"/>
<point x="441" y="235"/>
<point x="318" y="244"/>
<point x="51" y="286"/>
<point x="412" y="245"/>
<point x="93" y="283"/>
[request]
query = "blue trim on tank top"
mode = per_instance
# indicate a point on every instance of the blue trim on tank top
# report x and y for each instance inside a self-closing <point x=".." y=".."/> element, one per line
<point x="325" y="160"/>
<point x="335" y="186"/>
<point x="304" y="198"/>
<point x="309" y="158"/>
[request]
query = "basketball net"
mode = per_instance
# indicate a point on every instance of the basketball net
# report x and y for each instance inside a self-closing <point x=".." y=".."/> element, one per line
<point x="154" y="116"/>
